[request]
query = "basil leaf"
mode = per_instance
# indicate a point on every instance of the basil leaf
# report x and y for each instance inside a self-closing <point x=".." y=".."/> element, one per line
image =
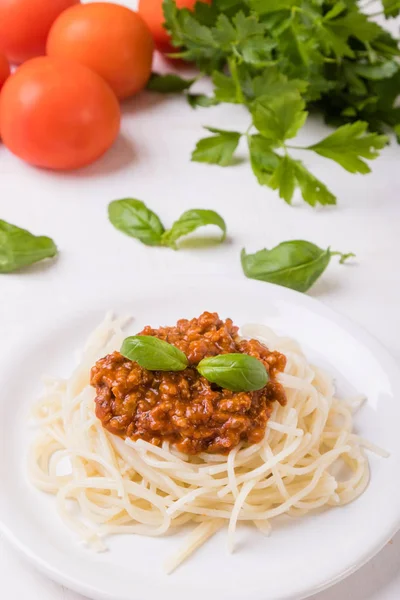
<point x="153" y="354"/>
<point x="236" y="372"/>
<point x="20" y="248"/>
<point x="296" y="264"/>
<point x="190" y="221"/>
<point x="135" y="219"/>
<point x="168" y="84"/>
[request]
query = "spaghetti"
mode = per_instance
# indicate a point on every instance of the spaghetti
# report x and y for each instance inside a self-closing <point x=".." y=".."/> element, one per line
<point x="309" y="458"/>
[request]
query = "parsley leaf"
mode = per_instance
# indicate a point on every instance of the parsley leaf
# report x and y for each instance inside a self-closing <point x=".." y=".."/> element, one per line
<point x="349" y="144"/>
<point x="202" y="100"/>
<point x="217" y="149"/>
<point x="264" y="161"/>
<point x="313" y="191"/>
<point x="391" y="8"/>
<point x="167" y="84"/>
<point x="284" y="179"/>
<point x="281" y="58"/>
<point x="281" y="117"/>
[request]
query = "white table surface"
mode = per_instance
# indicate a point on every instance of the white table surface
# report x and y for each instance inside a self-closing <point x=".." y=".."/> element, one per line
<point x="150" y="161"/>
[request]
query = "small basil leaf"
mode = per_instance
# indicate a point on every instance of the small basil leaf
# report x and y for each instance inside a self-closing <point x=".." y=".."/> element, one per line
<point x="153" y="354"/>
<point x="19" y="248"/>
<point x="168" y="84"/>
<point x="296" y="264"/>
<point x="190" y="221"/>
<point x="135" y="219"/>
<point x="236" y="372"/>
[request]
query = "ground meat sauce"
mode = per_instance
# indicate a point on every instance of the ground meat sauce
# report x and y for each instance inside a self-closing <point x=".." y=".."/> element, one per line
<point x="183" y="407"/>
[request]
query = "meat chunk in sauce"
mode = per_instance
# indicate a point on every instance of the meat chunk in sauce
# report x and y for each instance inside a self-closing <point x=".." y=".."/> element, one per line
<point x="183" y="407"/>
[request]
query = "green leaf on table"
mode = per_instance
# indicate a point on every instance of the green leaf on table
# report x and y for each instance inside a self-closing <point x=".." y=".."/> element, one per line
<point x="201" y="100"/>
<point x="190" y="221"/>
<point x="295" y="264"/>
<point x="153" y="354"/>
<point x="168" y="84"/>
<point x="236" y="372"/>
<point x="217" y="149"/>
<point x="19" y="248"/>
<point x="349" y="144"/>
<point x="132" y="217"/>
<point x="391" y="8"/>
<point x="279" y="118"/>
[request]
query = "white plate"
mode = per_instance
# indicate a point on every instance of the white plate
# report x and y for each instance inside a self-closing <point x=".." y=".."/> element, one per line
<point x="302" y="556"/>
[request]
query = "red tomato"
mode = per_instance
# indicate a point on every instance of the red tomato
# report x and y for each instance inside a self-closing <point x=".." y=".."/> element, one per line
<point x="25" y="24"/>
<point x="58" y="114"/>
<point x="152" y="13"/>
<point x="110" y="39"/>
<point x="4" y="70"/>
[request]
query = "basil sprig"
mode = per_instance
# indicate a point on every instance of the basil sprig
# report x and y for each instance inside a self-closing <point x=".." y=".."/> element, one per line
<point x="236" y="372"/>
<point x="19" y="248"/>
<point x="134" y="218"/>
<point x="190" y="221"/>
<point x="154" y="354"/>
<point x="296" y="264"/>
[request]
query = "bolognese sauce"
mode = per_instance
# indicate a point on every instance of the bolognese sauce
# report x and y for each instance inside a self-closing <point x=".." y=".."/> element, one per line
<point x="183" y="407"/>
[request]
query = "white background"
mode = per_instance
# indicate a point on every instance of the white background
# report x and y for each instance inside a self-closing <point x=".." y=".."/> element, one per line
<point x="150" y="161"/>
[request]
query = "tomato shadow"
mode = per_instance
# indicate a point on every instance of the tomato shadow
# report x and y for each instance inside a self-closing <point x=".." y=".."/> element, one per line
<point x="144" y="102"/>
<point x="121" y="155"/>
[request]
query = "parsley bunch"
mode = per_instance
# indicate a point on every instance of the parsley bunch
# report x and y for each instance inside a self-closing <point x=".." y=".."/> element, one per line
<point x="282" y="59"/>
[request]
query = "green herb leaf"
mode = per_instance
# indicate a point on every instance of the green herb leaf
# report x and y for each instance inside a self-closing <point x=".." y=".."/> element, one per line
<point x="264" y="161"/>
<point x="295" y="264"/>
<point x="348" y="144"/>
<point x="284" y="179"/>
<point x="313" y="191"/>
<point x="279" y="118"/>
<point x="377" y="71"/>
<point x="391" y="8"/>
<point x="285" y="174"/>
<point x="167" y="84"/>
<point x="218" y="149"/>
<point x="202" y="100"/>
<point x="224" y="88"/>
<point x="19" y="248"/>
<point x="190" y="221"/>
<point x="236" y="372"/>
<point x="135" y="219"/>
<point x="153" y="354"/>
<point x="263" y="7"/>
